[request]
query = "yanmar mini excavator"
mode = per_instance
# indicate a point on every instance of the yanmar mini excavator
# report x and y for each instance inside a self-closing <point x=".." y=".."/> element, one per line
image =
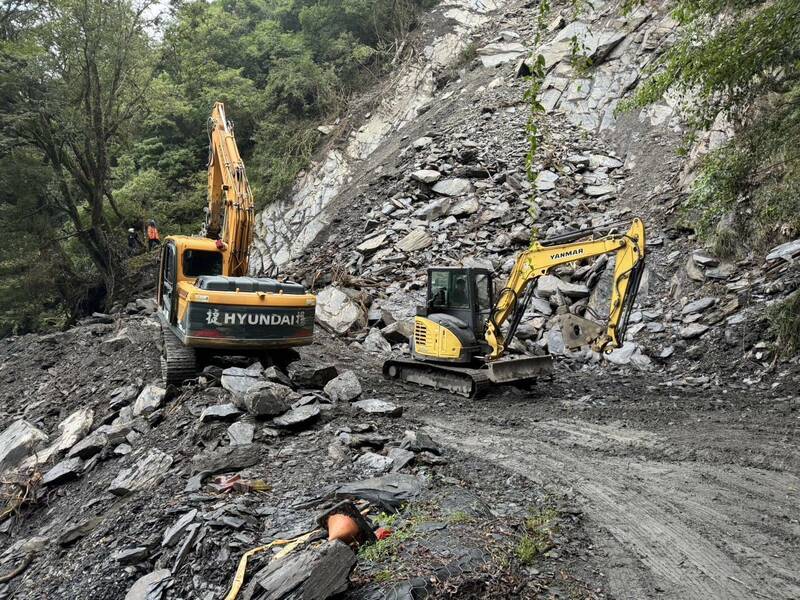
<point x="207" y="303"/>
<point x="458" y="344"/>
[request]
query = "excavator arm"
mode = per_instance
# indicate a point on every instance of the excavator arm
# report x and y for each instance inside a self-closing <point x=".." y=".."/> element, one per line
<point x="542" y="257"/>
<point x="230" y="201"/>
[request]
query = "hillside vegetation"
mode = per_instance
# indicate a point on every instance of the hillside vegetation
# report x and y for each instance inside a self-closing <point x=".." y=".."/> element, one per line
<point x="103" y="111"/>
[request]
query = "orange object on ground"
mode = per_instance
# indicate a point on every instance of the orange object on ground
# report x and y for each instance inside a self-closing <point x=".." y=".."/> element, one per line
<point x="344" y="528"/>
<point x="383" y="532"/>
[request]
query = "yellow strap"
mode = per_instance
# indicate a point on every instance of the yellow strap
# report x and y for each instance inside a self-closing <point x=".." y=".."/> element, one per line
<point x="241" y="570"/>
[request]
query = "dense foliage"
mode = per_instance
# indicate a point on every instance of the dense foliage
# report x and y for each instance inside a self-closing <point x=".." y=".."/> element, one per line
<point x="737" y="62"/>
<point x="103" y="112"/>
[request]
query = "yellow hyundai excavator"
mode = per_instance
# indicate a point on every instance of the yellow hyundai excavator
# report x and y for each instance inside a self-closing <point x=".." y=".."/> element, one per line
<point x="458" y="344"/>
<point x="206" y="301"/>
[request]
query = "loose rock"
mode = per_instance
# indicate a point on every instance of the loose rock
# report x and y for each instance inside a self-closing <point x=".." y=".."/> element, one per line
<point x="374" y="406"/>
<point x="343" y="388"/>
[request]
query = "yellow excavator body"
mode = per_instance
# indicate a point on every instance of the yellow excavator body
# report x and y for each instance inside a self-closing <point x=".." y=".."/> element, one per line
<point x="205" y="297"/>
<point x="458" y="342"/>
<point x="433" y="340"/>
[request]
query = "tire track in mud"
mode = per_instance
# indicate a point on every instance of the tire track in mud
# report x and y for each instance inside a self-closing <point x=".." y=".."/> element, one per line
<point x="682" y="530"/>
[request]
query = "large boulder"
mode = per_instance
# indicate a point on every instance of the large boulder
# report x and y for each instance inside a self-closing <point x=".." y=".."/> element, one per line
<point x="239" y="381"/>
<point x="268" y="399"/>
<point x="343" y="388"/>
<point x="338" y="312"/>
<point x="305" y="375"/>
<point x="376" y="343"/>
<point x="17" y="442"/>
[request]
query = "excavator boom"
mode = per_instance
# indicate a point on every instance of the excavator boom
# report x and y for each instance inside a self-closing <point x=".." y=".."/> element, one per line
<point x="230" y="201"/>
<point x="542" y="257"/>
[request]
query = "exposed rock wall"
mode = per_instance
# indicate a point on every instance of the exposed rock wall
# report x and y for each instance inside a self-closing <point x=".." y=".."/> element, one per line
<point x="285" y="229"/>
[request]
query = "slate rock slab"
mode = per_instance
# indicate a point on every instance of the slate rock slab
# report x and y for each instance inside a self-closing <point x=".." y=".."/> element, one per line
<point x="145" y="474"/>
<point x="173" y="534"/>
<point x="374" y="406"/>
<point x="693" y="330"/>
<point x="72" y="533"/>
<point x="74" y="428"/>
<point x="297" y="417"/>
<point x="122" y="396"/>
<point x="67" y="470"/>
<point x="89" y="446"/>
<point x="17" y="442"/>
<point x="131" y="556"/>
<point x="698" y="305"/>
<point x="227" y="459"/>
<point x="312" y="574"/>
<point x="388" y="491"/>
<point x="150" y="586"/>
<point x="220" y="412"/>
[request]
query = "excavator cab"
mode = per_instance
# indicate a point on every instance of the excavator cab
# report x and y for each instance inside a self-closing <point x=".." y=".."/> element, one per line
<point x="462" y="293"/>
<point x="449" y="326"/>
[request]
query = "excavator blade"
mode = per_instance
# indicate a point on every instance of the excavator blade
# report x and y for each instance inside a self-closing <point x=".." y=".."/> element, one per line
<point x="520" y="369"/>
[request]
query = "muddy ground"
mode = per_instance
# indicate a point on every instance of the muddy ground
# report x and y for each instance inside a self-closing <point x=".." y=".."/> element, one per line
<point x="648" y="485"/>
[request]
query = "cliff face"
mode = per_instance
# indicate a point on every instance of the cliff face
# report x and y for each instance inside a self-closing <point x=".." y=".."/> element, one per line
<point x="502" y="32"/>
<point x="287" y="228"/>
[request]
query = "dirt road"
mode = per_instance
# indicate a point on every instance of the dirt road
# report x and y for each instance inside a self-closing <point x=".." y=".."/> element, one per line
<point x="677" y="509"/>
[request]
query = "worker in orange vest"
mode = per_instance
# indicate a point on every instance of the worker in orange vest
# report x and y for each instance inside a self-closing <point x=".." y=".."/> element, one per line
<point x="152" y="235"/>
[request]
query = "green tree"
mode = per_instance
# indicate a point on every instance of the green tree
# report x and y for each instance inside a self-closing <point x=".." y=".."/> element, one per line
<point x="738" y="59"/>
<point x="83" y="69"/>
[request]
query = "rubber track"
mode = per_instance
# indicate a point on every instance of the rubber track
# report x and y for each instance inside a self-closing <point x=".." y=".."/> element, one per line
<point x="178" y="362"/>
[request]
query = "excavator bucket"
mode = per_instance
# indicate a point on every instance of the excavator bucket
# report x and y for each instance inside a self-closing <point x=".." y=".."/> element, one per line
<point x="520" y="369"/>
<point x="578" y="331"/>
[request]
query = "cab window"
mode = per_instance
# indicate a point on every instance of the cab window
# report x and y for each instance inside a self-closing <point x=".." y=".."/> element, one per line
<point x="449" y="289"/>
<point x="201" y="262"/>
<point x="483" y="292"/>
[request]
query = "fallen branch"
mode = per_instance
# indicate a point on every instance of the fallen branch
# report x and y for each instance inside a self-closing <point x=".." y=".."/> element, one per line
<point x="18" y="571"/>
